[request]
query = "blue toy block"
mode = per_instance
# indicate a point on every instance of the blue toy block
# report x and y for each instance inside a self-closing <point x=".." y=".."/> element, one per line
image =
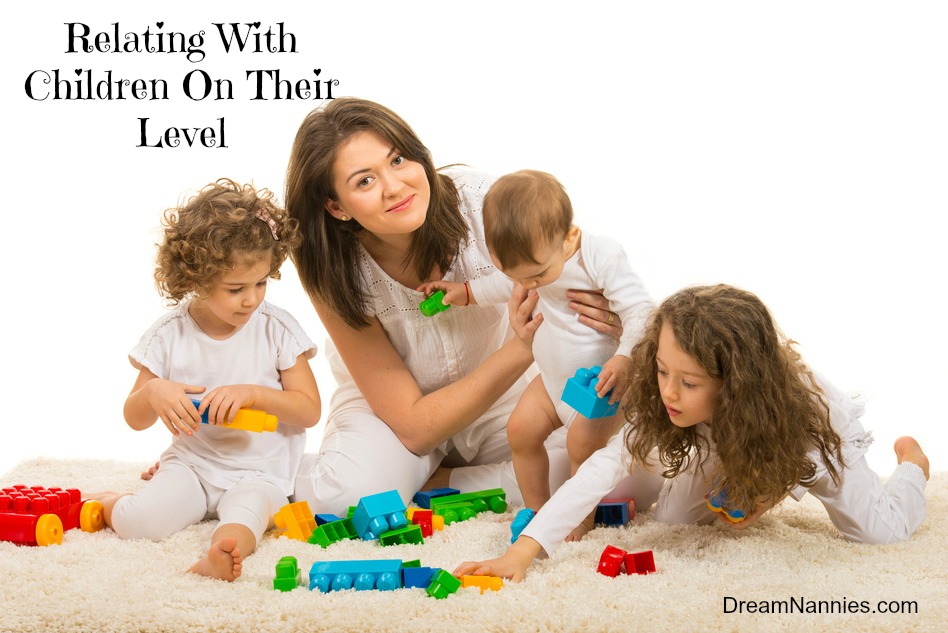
<point x="580" y="393"/>
<point x="521" y="520"/>
<point x="423" y="498"/>
<point x="417" y="577"/>
<point x="718" y="502"/>
<point x="322" y="519"/>
<point x="612" y="513"/>
<point x="379" y="513"/>
<point x="362" y="575"/>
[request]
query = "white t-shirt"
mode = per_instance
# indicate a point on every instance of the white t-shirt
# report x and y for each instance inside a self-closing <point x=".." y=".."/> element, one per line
<point x="175" y="348"/>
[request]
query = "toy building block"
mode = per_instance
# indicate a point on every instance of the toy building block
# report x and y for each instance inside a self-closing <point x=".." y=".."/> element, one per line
<point x="718" y="502"/>
<point x="640" y="563"/>
<point x="408" y="534"/>
<point x="417" y="577"/>
<point x="362" y="575"/>
<point x="379" y="513"/>
<point x="288" y="576"/>
<point x="322" y="519"/>
<point x="454" y="512"/>
<point x="580" y="393"/>
<point x="296" y="520"/>
<point x="494" y="500"/>
<point x="521" y="521"/>
<point x="610" y="562"/>
<point x="423" y="498"/>
<point x="245" y="420"/>
<point x="442" y="585"/>
<point x="437" y="522"/>
<point x="333" y="532"/>
<point x="411" y="563"/>
<point x="485" y="583"/>
<point x="423" y="519"/>
<point x="433" y="304"/>
<point x="39" y="516"/>
<point x="615" y="512"/>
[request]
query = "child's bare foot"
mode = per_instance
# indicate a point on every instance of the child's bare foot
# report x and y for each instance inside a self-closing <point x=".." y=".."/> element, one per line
<point x="907" y="449"/>
<point x="148" y="474"/>
<point x="580" y="531"/>
<point x="223" y="561"/>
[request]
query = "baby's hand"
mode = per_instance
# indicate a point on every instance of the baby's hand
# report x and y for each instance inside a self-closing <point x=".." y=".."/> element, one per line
<point x="455" y="294"/>
<point x="616" y="374"/>
<point x="170" y="401"/>
<point x="223" y="403"/>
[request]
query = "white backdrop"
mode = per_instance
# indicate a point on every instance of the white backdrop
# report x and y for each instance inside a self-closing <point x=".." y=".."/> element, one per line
<point x="795" y="149"/>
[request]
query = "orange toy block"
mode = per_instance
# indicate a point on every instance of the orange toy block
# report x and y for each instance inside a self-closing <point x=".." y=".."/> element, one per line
<point x="297" y="521"/>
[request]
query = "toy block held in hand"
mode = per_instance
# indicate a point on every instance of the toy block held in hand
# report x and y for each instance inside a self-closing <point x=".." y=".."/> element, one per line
<point x="245" y="420"/>
<point x="433" y="304"/>
<point x="39" y="516"/>
<point x="379" y="513"/>
<point x="718" y="502"/>
<point x="296" y="520"/>
<point x="580" y="393"/>
<point x="484" y="583"/>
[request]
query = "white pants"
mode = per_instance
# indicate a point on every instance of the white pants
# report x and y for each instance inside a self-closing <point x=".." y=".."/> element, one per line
<point x="360" y="455"/>
<point x="861" y="507"/>
<point x="176" y="497"/>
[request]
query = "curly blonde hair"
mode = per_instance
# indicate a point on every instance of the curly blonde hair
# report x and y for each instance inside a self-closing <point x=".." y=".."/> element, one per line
<point x="209" y="233"/>
<point x="769" y="413"/>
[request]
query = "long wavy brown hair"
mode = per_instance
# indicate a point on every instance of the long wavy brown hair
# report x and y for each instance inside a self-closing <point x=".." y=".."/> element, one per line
<point x="770" y="411"/>
<point x="206" y="235"/>
<point x="327" y="257"/>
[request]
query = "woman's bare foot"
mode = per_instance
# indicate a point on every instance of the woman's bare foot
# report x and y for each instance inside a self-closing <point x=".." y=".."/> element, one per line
<point x="580" y="531"/>
<point x="223" y="561"/>
<point x="148" y="474"/>
<point x="907" y="449"/>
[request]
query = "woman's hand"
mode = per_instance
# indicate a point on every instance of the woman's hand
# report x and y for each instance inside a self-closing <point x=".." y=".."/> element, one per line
<point x="520" y="308"/>
<point x="593" y="309"/>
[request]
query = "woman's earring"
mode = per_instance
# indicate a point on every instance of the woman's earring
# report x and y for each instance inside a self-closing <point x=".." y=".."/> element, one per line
<point x="344" y="217"/>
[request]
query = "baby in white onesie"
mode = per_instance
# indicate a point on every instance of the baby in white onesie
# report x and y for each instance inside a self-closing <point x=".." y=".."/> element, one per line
<point x="528" y="226"/>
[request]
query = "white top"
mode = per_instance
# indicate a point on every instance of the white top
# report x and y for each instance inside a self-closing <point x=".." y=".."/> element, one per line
<point x="603" y="471"/>
<point x="441" y="349"/>
<point x="562" y="344"/>
<point x="175" y="348"/>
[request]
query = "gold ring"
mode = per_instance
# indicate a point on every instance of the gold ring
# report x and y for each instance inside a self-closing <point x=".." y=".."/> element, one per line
<point x="612" y="317"/>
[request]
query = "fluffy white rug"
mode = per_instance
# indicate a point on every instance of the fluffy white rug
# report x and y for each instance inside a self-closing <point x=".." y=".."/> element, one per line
<point x="97" y="582"/>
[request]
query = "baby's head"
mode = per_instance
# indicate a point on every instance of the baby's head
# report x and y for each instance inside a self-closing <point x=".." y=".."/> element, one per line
<point x="528" y="224"/>
<point x="225" y="225"/>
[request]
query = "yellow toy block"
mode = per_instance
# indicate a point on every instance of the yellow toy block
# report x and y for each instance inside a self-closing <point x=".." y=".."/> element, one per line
<point x="437" y="522"/>
<point x="484" y="582"/>
<point x="297" y="521"/>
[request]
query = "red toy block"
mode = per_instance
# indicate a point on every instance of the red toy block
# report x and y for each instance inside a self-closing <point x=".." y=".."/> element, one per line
<point x="610" y="562"/>
<point x="423" y="518"/>
<point x="640" y="563"/>
<point x="39" y="516"/>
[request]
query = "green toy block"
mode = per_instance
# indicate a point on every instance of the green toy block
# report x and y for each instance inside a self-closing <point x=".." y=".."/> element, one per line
<point x="333" y="532"/>
<point x="494" y="500"/>
<point x="288" y="576"/>
<point x="401" y="536"/>
<point x="433" y="304"/>
<point x="442" y="585"/>
<point x="454" y="512"/>
<point x="411" y="563"/>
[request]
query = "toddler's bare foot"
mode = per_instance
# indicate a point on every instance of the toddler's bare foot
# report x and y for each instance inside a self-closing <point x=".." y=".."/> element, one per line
<point x="580" y="531"/>
<point x="907" y="449"/>
<point x="148" y="474"/>
<point x="223" y="561"/>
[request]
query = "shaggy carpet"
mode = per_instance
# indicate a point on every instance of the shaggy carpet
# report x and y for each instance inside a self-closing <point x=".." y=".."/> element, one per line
<point x="790" y="572"/>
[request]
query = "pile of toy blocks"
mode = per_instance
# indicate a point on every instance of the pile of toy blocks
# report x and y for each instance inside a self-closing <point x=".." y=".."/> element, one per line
<point x="453" y="506"/>
<point x="382" y="575"/>
<point x="34" y="515"/>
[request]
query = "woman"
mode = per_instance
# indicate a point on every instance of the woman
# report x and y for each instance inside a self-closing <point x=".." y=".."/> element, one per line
<point x="415" y="393"/>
